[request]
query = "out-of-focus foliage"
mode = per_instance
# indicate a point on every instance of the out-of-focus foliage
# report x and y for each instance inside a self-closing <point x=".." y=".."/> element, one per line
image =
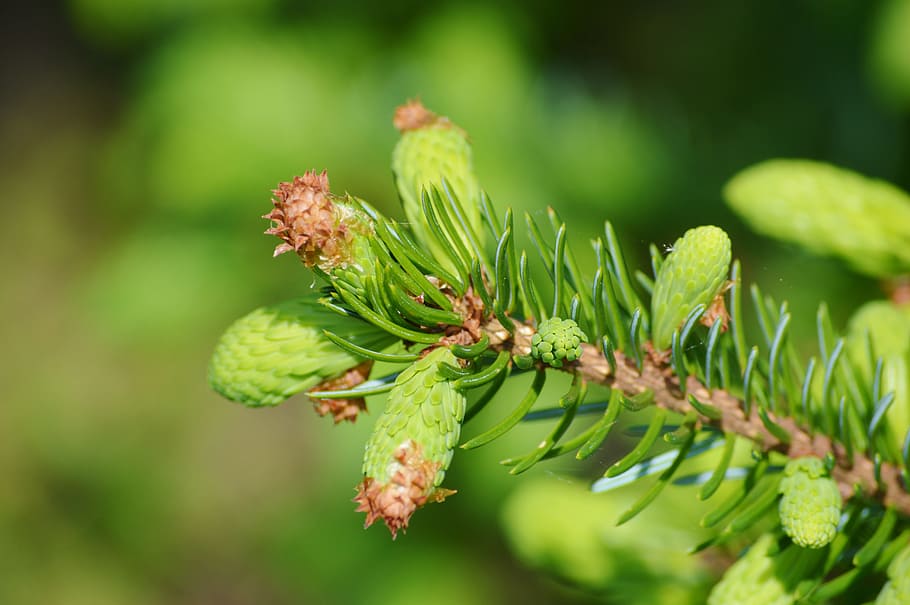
<point x="224" y="108"/>
<point x="884" y="328"/>
<point x="140" y="143"/>
<point x="827" y="210"/>
<point x="563" y="528"/>
<point x="116" y="23"/>
<point x="890" y="54"/>
<point x="147" y="288"/>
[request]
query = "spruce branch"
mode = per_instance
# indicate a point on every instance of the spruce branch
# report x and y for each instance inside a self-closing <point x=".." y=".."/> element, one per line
<point x="459" y="315"/>
<point x="856" y="474"/>
<point x="882" y="482"/>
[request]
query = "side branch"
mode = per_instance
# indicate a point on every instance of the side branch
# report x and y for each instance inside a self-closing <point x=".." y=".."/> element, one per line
<point x="854" y="475"/>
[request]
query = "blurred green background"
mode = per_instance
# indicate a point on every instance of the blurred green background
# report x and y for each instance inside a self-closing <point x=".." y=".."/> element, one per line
<point x="140" y="142"/>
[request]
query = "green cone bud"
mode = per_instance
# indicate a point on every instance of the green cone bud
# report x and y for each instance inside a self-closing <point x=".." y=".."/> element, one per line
<point x="557" y="341"/>
<point x="412" y="443"/>
<point x="810" y="504"/>
<point x="274" y="352"/>
<point x="888" y="326"/>
<point x="561" y="528"/>
<point x="752" y="580"/>
<point x="326" y="231"/>
<point x="432" y="148"/>
<point x="888" y="329"/>
<point x="692" y="274"/>
<point x="827" y="210"/>
<point x="896" y="590"/>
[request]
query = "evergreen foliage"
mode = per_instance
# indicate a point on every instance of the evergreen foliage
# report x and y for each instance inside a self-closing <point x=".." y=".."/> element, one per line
<point x="458" y="315"/>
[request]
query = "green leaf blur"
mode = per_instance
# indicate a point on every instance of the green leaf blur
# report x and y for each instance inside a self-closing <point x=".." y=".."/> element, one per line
<point x="140" y="144"/>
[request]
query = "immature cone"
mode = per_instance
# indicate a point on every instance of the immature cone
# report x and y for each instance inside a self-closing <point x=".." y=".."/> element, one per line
<point x="557" y="341"/>
<point x="431" y="149"/>
<point x="766" y="576"/>
<point x="887" y="327"/>
<point x="565" y="530"/>
<point x="326" y="231"/>
<point x="810" y="504"/>
<point x="896" y="590"/>
<point x="692" y="274"/>
<point x="752" y="580"/>
<point x="827" y="210"/>
<point x="274" y="352"/>
<point x="411" y="446"/>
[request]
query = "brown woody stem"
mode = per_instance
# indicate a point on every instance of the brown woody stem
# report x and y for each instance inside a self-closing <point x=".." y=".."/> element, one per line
<point x="854" y="475"/>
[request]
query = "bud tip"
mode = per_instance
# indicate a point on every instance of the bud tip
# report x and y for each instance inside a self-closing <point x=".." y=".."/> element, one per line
<point x="410" y="486"/>
<point x="413" y="115"/>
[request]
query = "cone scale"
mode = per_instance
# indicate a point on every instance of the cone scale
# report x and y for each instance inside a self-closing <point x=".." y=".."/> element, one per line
<point x="412" y="444"/>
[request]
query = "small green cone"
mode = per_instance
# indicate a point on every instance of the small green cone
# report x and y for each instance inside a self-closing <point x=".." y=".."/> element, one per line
<point x="888" y="329"/>
<point x="431" y="149"/>
<point x="274" y="352"/>
<point x="326" y="231"/>
<point x="557" y="341"/>
<point x="692" y="274"/>
<point x="896" y="590"/>
<point x="827" y="210"/>
<point x="810" y="504"/>
<point x="412" y="443"/>
<point x="752" y="580"/>
<point x="888" y="326"/>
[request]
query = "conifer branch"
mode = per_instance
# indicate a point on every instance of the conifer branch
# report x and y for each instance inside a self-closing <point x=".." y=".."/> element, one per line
<point x="460" y="312"/>
<point x="855" y="475"/>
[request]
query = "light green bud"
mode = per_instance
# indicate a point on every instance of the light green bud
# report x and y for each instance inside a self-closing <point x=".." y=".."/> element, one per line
<point x="274" y="352"/>
<point x="896" y="590"/>
<point x="432" y="148"/>
<point x="326" y="231"/>
<point x="827" y="210"/>
<point x="692" y="274"/>
<point x="411" y="446"/>
<point x="752" y="580"/>
<point x="888" y="326"/>
<point x="888" y="329"/>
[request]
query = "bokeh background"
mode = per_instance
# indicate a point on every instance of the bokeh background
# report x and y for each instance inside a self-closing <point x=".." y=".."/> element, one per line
<point x="139" y="142"/>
